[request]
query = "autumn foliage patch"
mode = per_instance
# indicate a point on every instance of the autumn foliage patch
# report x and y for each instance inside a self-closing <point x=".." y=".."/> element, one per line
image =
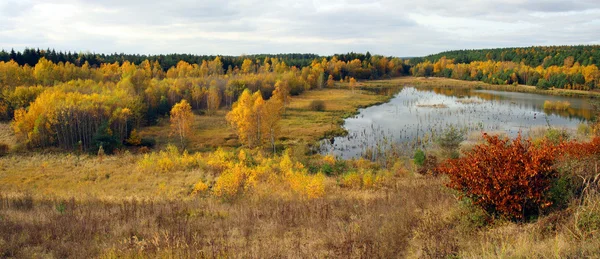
<point x="512" y="178"/>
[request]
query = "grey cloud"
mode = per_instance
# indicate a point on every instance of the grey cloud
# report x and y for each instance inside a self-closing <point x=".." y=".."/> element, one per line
<point x="401" y="28"/>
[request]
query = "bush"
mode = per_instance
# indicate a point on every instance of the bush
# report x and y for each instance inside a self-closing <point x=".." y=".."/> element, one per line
<point x="104" y="137"/>
<point x="505" y="178"/>
<point x="3" y="149"/>
<point x="557" y="135"/>
<point x="429" y="166"/>
<point x="317" y="105"/>
<point x="419" y="157"/>
<point x="450" y="140"/>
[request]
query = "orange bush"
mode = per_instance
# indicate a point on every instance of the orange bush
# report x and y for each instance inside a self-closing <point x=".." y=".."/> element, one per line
<point x="504" y="177"/>
<point x="582" y="149"/>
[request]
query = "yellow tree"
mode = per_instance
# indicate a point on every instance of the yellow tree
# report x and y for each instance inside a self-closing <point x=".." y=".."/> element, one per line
<point x="271" y="115"/>
<point x="213" y="100"/>
<point x="282" y="92"/>
<point x="255" y="120"/>
<point x="247" y="66"/>
<point x="240" y="117"/>
<point x="258" y="111"/>
<point x="198" y="94"/>
<point x="330" y="81"/>
<point x="352" y="84"/>
<point x="43" y="72"/>
<point x="215" y="67"/>
<point x="181" y="121"/>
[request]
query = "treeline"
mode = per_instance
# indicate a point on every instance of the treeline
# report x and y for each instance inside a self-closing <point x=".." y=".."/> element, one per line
<point x="570" y="74"/>
<point x="32" y="56"/>
<point x="546" y="57"/>
<point x="70" y="106"/>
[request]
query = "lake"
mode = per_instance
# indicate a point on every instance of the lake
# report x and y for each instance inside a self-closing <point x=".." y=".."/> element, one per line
<point x="414" y="118"/>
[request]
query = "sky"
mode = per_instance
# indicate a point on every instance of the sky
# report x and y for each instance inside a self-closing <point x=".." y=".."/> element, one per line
<point x="325" y="27"/>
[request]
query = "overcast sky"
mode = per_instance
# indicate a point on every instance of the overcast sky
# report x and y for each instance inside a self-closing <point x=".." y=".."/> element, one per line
<point x="396" y="28"/>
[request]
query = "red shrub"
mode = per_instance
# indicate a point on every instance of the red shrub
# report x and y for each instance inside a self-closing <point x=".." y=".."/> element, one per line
<point x="581" y="149"/>
<point x="505" y="177"/>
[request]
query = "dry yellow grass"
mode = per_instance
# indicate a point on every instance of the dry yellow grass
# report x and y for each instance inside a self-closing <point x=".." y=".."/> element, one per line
<point x="64" y="175"/>
<point x="82" y="207"/>
<point x="6" y="135"/>
<point x="557" y="105"/>
<point x="208" y="132"/>
<point x="299" y="124"/>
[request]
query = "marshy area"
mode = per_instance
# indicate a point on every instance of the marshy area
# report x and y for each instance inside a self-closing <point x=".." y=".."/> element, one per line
<point x="416" y="116"/>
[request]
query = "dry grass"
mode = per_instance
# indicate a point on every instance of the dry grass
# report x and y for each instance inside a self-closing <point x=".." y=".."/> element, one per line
<point x="65" y="175"/>
<point x="299" y="124"/>
<point x="56" y="205"/>
<point x="6" y="135"/>
<point x="344" y="224"/>
<point x="557" y="105"/>
<point x="208" y="132"/>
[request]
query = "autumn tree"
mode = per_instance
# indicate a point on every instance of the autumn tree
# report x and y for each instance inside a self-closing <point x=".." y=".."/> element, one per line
<point x="352" y="83"/>
<point x="254" y="119"/>
<point x="198" y="94"/>
<point x="282" y="92"/>
<point x="213" y="100"/>
<point x="247" y="66"/>
<point x="271" y="117"/>
<point x="330" y="81"/>
<point x="181" y="121"/>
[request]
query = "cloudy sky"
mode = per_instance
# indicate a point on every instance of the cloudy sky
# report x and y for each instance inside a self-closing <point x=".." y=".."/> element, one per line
<point x="398" y="28"/>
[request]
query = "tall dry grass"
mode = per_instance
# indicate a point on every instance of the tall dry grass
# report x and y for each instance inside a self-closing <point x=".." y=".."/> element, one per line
<point x="344" y="224"/>
<point x="556" y="105"/>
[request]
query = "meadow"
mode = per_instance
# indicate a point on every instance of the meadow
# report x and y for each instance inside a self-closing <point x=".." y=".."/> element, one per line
<point x="220" y="199"/>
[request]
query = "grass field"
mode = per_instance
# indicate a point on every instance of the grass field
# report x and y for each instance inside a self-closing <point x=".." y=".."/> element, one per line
<point x="299" y="124"/>
<point x="64" y="175"/>
<point x="58" y="205"/>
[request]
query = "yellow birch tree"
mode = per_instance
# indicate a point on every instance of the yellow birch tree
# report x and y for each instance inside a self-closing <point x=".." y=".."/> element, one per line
<point x="181" y="121"/>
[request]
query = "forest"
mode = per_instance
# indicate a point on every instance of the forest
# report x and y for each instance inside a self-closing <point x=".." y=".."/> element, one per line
<point x="562" y="67"/>
<point x="122" y="97"/>
<point x="187" y="156"/>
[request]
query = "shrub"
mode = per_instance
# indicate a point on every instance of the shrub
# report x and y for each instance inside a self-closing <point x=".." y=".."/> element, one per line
<point x="169" y="160"/>
<point x="232" y="182"/>
<point x="450" y="140"/>
<point x="419" y="157"/>
<point x="3" y="149"/>
<point x="429" y="166"/>
<point x="584" y="129"/>
<point x="104" y="137"/>
<point x="317" y="105"/>
<point x="365" y="179"/>
<point x="134" y="138"/>
<point x="505" y="178"/>
<point x="557" y="135"/>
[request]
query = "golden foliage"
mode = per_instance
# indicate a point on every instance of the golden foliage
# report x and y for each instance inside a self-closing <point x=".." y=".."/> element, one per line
<point x="181" y="121"/>
<point x="169" y="160"/>
<point x="255" y="120"/>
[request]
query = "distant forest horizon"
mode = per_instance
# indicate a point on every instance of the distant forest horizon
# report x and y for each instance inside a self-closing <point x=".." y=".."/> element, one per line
<point x="531" y="56"/>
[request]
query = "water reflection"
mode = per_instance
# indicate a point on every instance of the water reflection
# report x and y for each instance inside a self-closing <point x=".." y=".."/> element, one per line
<point x="416" y="116"/>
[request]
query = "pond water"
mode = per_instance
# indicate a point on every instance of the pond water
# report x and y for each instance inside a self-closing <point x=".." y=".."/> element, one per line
<point x="414" y="118"/>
